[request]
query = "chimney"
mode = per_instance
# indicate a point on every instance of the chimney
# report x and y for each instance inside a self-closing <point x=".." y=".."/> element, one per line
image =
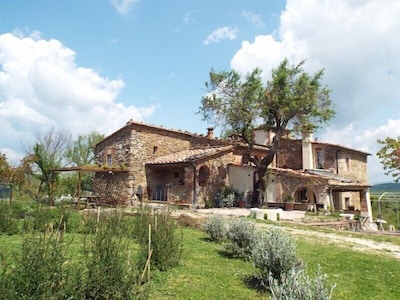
<point x="210" y="133"/>
<point x="307" y="154"/>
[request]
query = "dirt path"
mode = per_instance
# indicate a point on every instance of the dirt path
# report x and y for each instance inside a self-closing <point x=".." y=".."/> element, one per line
<point x="362" y="243"/>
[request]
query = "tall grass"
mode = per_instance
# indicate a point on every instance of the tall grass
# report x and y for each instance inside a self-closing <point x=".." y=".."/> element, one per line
<point x="110" y="270"/>
<point x="156" y="228"/>
<point x="39" y="270"/>
<point x="42" y="268"/>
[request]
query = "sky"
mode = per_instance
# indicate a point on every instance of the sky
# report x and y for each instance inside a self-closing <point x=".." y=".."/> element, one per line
<point x="95" y="64"/>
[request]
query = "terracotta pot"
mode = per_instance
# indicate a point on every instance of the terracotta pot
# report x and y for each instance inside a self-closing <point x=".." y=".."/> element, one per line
<point x="242" y="204"/>
<point x="289" y="205"/>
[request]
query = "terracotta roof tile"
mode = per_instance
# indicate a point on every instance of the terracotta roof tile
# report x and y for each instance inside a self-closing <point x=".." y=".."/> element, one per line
<point x="189" y="155"/>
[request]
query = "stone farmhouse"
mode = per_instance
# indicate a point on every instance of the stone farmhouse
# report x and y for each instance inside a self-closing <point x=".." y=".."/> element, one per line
<point x="158" y="164"/>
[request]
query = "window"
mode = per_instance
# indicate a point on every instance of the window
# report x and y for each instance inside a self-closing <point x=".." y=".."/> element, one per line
<point x="155" y="150"/>
<point x="319" y="159"/>
<point x="204" y="175"/>
<point x="346" y="202"/>
<point x="176" y="174"/>
<point x="109" y="160"/>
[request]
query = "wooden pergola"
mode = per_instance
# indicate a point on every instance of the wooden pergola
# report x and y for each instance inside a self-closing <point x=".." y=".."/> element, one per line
<point x="92" y="169"/>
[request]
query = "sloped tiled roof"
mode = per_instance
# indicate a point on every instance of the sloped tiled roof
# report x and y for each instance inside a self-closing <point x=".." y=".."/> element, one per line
<point x="330" y="175"/>
<point x="189" y="155"/>
<point x="132" y="123"/>
<point x="333" y="180"/>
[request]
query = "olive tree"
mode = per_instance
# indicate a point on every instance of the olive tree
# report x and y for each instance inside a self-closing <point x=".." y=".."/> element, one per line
<point x="81" y="151"/>
<point x="49" y="153"/>
<point x="292" y="100"/>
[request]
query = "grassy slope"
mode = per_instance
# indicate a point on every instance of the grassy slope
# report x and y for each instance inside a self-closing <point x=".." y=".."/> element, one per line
<point x="206" y="274"/>
<point x="357" y="275"/>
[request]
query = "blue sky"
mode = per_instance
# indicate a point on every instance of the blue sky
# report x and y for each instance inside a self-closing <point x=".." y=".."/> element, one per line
<point x="95" y="64"/>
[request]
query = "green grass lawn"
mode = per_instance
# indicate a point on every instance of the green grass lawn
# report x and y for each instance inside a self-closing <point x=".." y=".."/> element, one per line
<point x="205" y="273"/>
<point x="357" y="275"/>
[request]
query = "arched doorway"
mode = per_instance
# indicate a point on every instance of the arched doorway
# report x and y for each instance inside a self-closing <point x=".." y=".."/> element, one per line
<point x="304" y="195"/>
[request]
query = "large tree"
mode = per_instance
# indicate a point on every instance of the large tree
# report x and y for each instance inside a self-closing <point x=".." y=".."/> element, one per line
<point x="14" y="176"/>
<point x="81" y="151"/>
<point x="292" y="101"/>
<point x="390" y="156"/>
<point x="49" y="152"/>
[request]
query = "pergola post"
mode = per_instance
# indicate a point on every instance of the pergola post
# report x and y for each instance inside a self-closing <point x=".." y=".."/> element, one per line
<point x="79" y="186"/>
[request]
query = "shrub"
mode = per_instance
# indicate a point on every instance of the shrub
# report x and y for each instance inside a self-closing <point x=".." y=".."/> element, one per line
<point x="165" y="241"/>
<point x="8" y="223"/>
<point x="241" y="234"/>
<point x="21" y="210"/>
<point x="186" y="220"/>
<point x="296" y="284"/>
<point x="228" y="196"/>
<point x="104" y="271"/>
<point x="46" y="218"/>
<point x="39" y="272"/>
<point x="109" y="269"/>
<point x="215" y="228"/>
<point x="274" y="254"/>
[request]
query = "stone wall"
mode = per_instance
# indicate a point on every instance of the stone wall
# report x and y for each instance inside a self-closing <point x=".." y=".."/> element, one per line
<point x="135" y="144"/>
<point x="218" y="167"/>
<point x="347" y="163"/>
<point x="353" y="165"/>
<point x="290" y="154"/>
<point x="288" y="185"/>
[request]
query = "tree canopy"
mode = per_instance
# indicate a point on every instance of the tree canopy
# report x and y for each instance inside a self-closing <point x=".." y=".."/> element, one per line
<point x="81" y="152"/>
<point x="389" y="155"/>
<point x="292" y="100"/>
<point x="49" y="152"/>
<point x="14" y="176"/>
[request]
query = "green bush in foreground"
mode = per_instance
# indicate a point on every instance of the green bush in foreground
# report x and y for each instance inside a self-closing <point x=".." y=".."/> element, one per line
<point x="8" y="222"/>
<point x="110" y="272"/>
<point x="42" y="269"/>
<point x="297" y="285"/>
<point x="274" y="254"/>
<point x="241" y="235"/>
<point x="165" y="242"/>
<point x="215" y="228"/>
<point x="39" y="271"/>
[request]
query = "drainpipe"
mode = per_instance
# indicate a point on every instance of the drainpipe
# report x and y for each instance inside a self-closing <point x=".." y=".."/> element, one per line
<point x="337" y="162"/>
<point x="194" y="185"/>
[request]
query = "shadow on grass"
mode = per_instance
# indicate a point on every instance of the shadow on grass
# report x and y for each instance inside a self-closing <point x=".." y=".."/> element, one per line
<point x="252" y="282"/>
<point x="227" y="254"/>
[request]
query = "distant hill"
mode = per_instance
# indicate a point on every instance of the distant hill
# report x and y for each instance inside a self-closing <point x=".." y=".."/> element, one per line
<point x="386" y="187"/>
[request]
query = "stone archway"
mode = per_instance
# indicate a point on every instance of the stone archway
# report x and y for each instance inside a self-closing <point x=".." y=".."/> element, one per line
<point x="305" y="194"/>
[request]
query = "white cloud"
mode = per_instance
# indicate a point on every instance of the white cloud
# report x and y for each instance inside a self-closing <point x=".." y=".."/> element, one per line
<point x="221" y="34"/>
<point x="188" y="17"/>
<point x="123" y="6"/>
<point x="42" y="87"/>
<point x="255" y="19"/>
<point x="355" y="42"/>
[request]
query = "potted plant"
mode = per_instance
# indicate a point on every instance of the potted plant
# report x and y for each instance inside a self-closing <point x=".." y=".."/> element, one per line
<point x="289" y="202"/>
<point x="242" y="203"/>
